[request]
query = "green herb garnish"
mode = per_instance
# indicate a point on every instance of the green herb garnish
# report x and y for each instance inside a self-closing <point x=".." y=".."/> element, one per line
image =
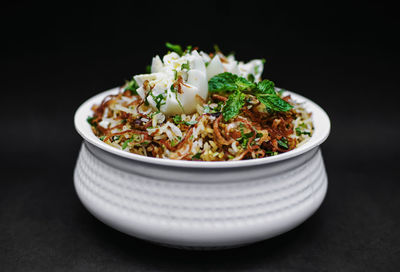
<point x="132" y="86"/>
<point x="174" y="143"/>
<point x="244" y="140"/>
<point x="176" y="96"/>
<point x="233" y="105"/>
<point x="231" y="83"/>
<point x="178" y="120"/>
<point x="159" y="99"/>
<point x="283" y="142"/>
<point x="267" y="95"/>
<point x="174" y="48"/>
<point x="125" y="144"/>
<point x="90" y="121"/>
<point x="300" y="132"/>
<point x="228" y="82"/>
<point x="148" y="69"/>
<point x="188" y="49"/>
<point x="185" y="66"/>
<point x="259" y="135"/>
<point x="271" y="153"/>
<point x="251" y="78"/>
<point x="197" y="156"/>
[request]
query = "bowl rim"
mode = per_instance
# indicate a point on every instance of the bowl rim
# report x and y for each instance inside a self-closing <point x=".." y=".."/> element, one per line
<point x="321" y="121"/>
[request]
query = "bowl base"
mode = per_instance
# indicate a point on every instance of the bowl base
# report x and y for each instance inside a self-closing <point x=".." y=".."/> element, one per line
<point x="201" y="215"/>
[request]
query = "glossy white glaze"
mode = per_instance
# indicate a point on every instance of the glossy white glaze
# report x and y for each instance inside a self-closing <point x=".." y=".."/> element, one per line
<point x="201" y="204"/>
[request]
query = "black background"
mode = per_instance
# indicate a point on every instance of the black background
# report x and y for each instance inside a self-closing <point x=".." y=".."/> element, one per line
<point x="342" y="56"/>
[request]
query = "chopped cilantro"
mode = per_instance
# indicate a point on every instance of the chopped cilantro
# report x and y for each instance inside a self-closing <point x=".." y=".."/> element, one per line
<point x="148" y="69"/>
<point x="188" y="49"/>
<point x="175" y="48"/>
<point x="178" y="120"/>
<point x="300" y="132"/>
<point x="174" y="143"/>
<point x="185" y="66"/>
<point x="197" y="156"/>
<point x="271" y="153"/>
<point x="160" y="100"/>
<point x="132" y="86"/>
<point x="125" y="144"/>
<point x="283" y="142"/>
<point x="302" y="125"/>
<point x="176" y="96"/>
<point x="90" y="120"/>
<point x="244" y="139"/>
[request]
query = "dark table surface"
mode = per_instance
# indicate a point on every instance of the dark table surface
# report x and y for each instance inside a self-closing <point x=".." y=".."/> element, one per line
<point x="55" y="59"/>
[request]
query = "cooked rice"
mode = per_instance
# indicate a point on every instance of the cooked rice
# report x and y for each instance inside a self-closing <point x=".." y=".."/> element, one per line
<point x="125" y="122"/>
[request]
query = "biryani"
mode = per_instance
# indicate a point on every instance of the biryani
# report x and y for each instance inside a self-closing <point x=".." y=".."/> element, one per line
<point x="197" y="106"/>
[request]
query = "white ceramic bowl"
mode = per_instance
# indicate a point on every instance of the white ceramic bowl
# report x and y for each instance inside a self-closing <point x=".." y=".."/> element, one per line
<point x="198" y="205"/>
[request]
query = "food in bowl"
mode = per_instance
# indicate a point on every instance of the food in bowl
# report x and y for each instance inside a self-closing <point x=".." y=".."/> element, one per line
<point x="205" y="107"/>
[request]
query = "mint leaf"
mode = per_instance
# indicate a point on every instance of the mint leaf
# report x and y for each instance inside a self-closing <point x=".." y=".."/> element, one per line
<point x="243" y="84"/>
<point x="266" y="87"/>
<point x="222" y="82"/>
<point x="266" y="94"/>
<point x="175" y="48"/>
<point x="228" y="82"/>
<point x="132" y="86"/>
<point x="273" y="102"/>
<point x="233" y="105"/>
